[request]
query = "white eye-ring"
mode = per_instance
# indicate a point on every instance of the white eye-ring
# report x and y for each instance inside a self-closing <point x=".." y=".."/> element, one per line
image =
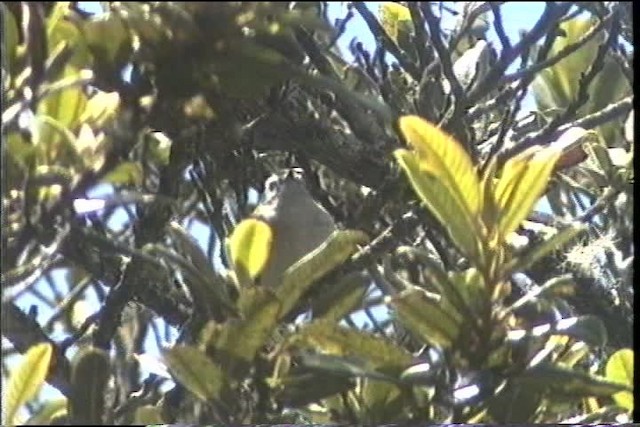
<point x="271" y="186"/>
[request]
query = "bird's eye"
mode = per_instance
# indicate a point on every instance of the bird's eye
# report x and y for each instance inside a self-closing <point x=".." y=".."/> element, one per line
<point x="271" y="186"/>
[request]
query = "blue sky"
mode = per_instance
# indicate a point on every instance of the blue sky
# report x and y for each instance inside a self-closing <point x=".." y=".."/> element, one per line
<point x="517" y="16"/>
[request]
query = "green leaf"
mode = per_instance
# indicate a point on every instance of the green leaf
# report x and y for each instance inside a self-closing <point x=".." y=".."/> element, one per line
<point x="427" y="318"/>
<point x="445" y="207"/>
<point x="26" y="380"/>
<point x="330" y="338"/>
<point x="620" y="369"/>
<point x="194" y="370"/>
<point x="300" y="276"/>
<point x="522" y="182"/>
<point x="589" y="329"/>
<point x="301" y="388"/>
<point x="91" y="370"/>
<point x="339" y="366"/>
<point x="568" y="382"/>
<point x="126" y="173"/>
<point x="240" y="341"/>
<point x="10" y="38"/>
<point x="249" y="247"/>
<point x="341" y="298"/>
<point x="148" y="415"/>
<point x="554" y="243"/>
<point x="108" y="39"/>
<point x="48" y="411"/>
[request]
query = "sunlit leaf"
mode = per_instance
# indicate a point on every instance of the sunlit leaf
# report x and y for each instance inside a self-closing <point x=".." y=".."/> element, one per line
<point x="338" y="365"/>
<point x="108" y="39"/>
<point x="338" y="247"/>
<point x="523" y="181"/>
<point x="620" y="369"/>
<point x="443" y="204"/>
<point x="394" y="18"/>
<point x="26" y="379"/>
<point x="589" y="329"/>
<point x="330" y="338"/>
<point x="194" y="370"/>
<point x="9" y="38"/>
<point x="249" y="248"/>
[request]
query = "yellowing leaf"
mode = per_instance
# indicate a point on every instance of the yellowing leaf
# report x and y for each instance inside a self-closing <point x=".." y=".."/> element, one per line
<point x="394" y="18"/>
<point x="26" y="380"/>
<point x="523" y="181"/>
<point x="100" y="108"/>
<point x="462" y="227"/>
<point x="620" y="369"/>
<point x="249" y="246"/>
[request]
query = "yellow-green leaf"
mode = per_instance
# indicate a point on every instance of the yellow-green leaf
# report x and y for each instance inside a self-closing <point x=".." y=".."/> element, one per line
<point x="334" y="251"/>
<point x="148" y="415"/>
<point x="377" y="353"/>
<point x="442" y="202"/>
<point x="9" y="36"/>
<point x="194" y="370"/>
<point x="100" y="108"/>
<point x="620" y="369"/>
<point x="239" y="342"/>
<point x="427" y="318"/>
<point x="126" y="173"/>
<point x="249" y="246"/>
<point x="394" y="18"/>
<point x="441" y="153"/>
<point x="26" y="380"/>
<point x="523" y="181"/>
<point x="48" y="411"/>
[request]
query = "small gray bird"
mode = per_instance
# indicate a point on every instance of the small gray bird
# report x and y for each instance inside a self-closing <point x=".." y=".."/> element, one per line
<point x="299" y="223"/>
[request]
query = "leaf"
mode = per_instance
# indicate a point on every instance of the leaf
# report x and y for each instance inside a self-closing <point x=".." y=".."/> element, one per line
<point x="523" y="181"/>
<point x="249" y="247"/>
<point x="91" y="371"/>
<point x="554" y="243"/>
<point x="108" y="39"/>
<point x="338" y="366"/>
<point x="101" y="109"/>
<point x="194" y="370"/>
<point x="443" y="156"/>
<point x="239" y="342"/>
<point x="48" y="411"/>
<point x="568" y="382"/>
<point x="426" y="318"/>
<point x="26" y="380"/>
<point x="126" y="173"/>
<point x="619" y="369"/>
<point x="148" y="415"/>
<point x="450" y="213"/>
<point x="342" y="298"/>
<point x="332" y="339"/>
<point x="304" y="388"/>
<point x="10" y="39"/>
<point x="338" y="247"/>
<point x="589" y="329"/>
<point x="395" y="18"/>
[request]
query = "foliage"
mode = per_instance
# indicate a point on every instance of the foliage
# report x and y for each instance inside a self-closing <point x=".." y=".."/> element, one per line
<point x="446" y="297"/>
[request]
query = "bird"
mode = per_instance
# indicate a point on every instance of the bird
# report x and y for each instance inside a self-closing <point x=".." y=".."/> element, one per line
<point x="298" y="223"/>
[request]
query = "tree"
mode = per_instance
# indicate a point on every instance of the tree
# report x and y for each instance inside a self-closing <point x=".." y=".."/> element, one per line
<point x="497" y="312"/>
